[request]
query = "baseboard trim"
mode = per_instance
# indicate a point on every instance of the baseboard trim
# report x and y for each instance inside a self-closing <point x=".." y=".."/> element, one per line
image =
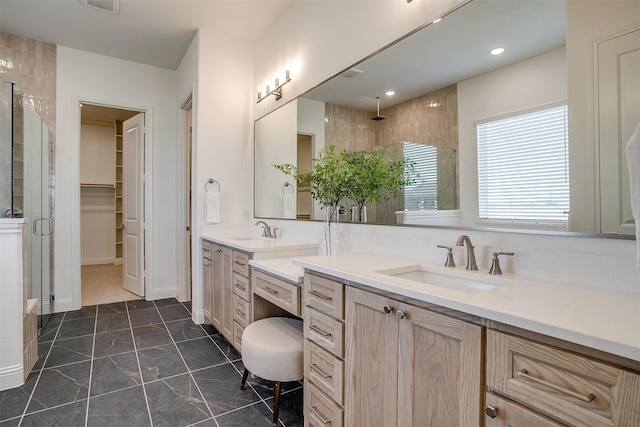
<point x="198" y="316"/>
<point x="97" y="261"/>
<point x="162" y="293"/>
<point x="11" y="376"/>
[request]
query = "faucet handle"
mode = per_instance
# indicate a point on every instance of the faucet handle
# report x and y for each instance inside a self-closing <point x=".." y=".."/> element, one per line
<point x="495" y="265"/>
<point x="275" y="232"/>
<point x="449" y="262"/>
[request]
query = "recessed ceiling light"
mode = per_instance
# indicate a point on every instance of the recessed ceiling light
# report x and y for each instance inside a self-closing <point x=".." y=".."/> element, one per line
<point x="437" y="20"/>
<point x="389" y="93"/>
<point x="496" y="51"/>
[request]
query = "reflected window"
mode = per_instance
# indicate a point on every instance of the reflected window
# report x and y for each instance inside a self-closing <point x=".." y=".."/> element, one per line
<point x="523" y="168"/>
<point x="422" y="195"/>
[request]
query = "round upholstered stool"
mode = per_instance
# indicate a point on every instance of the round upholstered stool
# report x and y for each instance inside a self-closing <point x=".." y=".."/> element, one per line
<point x="272" y="349"/>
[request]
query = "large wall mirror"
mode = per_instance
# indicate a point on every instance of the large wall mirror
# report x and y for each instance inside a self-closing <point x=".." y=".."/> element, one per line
<point x="499" y="141"/>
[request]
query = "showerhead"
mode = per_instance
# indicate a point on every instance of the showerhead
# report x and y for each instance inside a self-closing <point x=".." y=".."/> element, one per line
<point x="378" y="117"/>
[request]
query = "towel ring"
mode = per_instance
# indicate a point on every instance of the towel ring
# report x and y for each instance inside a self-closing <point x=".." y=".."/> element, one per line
<point x="211" y="181"/>
<point x="286" y="184"/>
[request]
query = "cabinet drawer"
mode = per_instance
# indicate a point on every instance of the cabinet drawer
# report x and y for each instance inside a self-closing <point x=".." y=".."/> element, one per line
<point x="283" y="294"/>
<point x="206" y="250"/>
<point x="324" y="370"/>
<point x="320" y="411"/>
<point x="503" y="413"/>
<point x="324" y="331"/>
<point x="241" y="311"/>
<point x="242" y="286"/>
<point x="568" y="387"/>
<point x="241" y="263"/>
<point x="324" y="295"/>
<point x="238" y="329"/>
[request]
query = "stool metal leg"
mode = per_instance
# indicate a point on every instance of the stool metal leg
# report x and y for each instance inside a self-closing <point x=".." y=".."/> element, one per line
<point x="276" y="401"/>
<point x="244" y="378"/>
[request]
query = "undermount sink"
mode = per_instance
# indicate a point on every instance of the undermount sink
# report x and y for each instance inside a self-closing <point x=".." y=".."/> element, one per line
<point x="460" y="280"/>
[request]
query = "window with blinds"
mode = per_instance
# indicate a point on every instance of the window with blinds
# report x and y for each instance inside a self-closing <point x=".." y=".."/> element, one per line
<point x="422" y="195"/>
<point x="523" y="168"/>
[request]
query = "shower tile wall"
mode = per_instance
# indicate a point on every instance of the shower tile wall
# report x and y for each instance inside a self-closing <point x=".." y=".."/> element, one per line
<point x="31" y="64"/>
<point x="5" y="146"/>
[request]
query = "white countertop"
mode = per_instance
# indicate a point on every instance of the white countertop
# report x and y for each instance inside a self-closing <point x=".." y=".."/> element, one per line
<point x="281" y="267"/>
<point x="596" y="318"/>
<point x="262" y="247"/>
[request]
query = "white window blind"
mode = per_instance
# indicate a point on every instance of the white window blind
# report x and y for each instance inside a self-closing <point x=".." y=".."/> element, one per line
<point x="423" y="194"/>
<point x="523" y="168"/>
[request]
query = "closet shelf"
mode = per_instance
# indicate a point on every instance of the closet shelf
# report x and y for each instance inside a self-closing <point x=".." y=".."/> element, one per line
<point x="98" y="186"/>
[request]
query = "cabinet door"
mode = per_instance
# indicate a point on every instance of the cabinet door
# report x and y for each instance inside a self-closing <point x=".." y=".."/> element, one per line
<point x="439" y="371"/>
<point x="222" y="316"/>
<point x="207" y="300"/>
<point x="371" y="360"/>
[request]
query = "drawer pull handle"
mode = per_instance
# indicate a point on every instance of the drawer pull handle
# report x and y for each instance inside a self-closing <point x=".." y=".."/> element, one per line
<point x="491" y="411"/>
<point x="387" y="309"/>
<point x="322" y="419"/>
<point x="321" y="296"/>
<point x="270" y="290"/>
<point x="240" y="312"/>
<point x="242" y="288"/>
<point x="218" y="250"/>
<point x="241" y="264"/>
<point x="320" y="331"/>
<point x="523" y="373"/>
<point x="318" y="370"/>
<point x="400" y="314"/>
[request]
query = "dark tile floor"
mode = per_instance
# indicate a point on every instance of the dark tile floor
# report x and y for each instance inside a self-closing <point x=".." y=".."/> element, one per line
<point x="140" y="363"/>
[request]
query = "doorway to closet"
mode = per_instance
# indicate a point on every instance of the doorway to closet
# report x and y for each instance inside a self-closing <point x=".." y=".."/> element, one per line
<point x="111" y="226"/>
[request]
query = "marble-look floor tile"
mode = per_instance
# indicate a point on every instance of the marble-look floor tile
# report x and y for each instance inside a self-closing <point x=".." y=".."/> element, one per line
<point x="71" y="350"/>
<point x="14" y="422"/>
<point x="71" y="415"/>
<point x="112" y="322"/>
<point x="160" y="362"/>
<point x="76" y="327"/>
<point x="144" y="317"/>
<point x="176" y="401"/>
<point x="174" y="312"/>
<point x="122" y="408"/>
<point x="188" y="306"/>
<point x="113" y="308"/>
<point x="166" y="301"/>
<point x="109" y="343"/>
<point x="256" y="415"/>
<point x="61" y="385"/>
<point x="220" y="386"/>
<point x="139" y="304"/>
<point x="226" y="348"/>
<point x="291" y="411"/>
<point x="206" y="423"/>
<point x="151" y="336"/>
<point x="113" y="373"/>
<point x="48" y="333"/>
<point x="210" y="329"/>
<point x="184" y="329"/>
<point x="43" y="352"/>
<point x="14" y="400"/>
<point x="84" y="312"/>
<point x="200" y="353"/>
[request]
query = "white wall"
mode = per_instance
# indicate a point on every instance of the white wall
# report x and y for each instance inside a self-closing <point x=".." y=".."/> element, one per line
<point x="326" y="37"/>
<point x="533" y="83"/>
<point x="311" y="116"/>
<point x="83" y="76"/>
<point x="219" y="72"/>
<point x="98" y="154"/>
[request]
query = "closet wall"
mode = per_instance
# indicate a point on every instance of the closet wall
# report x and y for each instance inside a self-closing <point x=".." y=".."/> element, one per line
<point x="98" y="191"/>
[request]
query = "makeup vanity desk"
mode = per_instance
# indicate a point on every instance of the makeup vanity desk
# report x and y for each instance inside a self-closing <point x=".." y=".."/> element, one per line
<point x="276" y="288"/>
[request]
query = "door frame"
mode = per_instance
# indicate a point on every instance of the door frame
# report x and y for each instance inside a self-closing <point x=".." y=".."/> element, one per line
<point x="76" y="302"/>
<point x="185" y="289"/>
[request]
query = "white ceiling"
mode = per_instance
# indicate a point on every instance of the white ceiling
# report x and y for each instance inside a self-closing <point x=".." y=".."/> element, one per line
<point x="154" y="32"/>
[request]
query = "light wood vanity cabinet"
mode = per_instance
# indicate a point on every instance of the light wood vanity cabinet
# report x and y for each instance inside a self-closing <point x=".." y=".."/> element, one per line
<point x="408" y="366"/>
<point x="207" y="298"/>
<point x="571" y="388"/>
<point x="241" y="289"/>
<point x="222" y="314"/>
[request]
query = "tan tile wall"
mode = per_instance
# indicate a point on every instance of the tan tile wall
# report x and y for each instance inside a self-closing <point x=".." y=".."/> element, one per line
<point x="349" y="129"/>
<point x="31" y="64"/>
<point x="30" y="340"/>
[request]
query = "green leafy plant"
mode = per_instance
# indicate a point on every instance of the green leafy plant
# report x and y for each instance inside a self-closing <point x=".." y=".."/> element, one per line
<point x="328" y="182"/>
<point x="375" y="176"/>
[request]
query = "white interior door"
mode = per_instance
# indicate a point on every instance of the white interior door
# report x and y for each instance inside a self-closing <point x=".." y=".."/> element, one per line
<point x="619" y="114"/>
<point x="133" y="204"/>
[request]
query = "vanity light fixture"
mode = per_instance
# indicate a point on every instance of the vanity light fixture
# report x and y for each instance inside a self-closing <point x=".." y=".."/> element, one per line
<point x="277" y="91"/>
<point x="496" y="51"/>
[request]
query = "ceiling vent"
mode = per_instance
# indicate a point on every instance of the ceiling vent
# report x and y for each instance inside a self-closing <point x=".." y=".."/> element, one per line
<point x="110" y="6"/>
<point x="351" y="73"/>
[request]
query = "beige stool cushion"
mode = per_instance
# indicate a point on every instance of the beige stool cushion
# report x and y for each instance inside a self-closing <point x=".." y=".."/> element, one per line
<point x="272" y="349"/>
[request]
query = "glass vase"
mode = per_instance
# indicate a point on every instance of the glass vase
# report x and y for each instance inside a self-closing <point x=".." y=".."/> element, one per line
<point x="330" y="239"/>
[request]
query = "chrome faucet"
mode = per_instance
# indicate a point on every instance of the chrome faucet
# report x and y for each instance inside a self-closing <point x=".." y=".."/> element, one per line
<point x="266" y="229"/>
<point x="471" y="257"/>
